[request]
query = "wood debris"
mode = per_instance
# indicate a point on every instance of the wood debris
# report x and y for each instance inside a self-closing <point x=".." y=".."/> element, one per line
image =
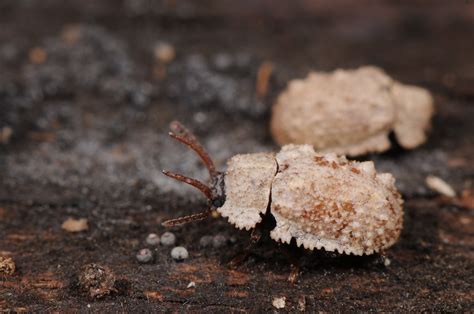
<point x="75" y="225"/>
<point x="439" y="185"/>
<point x="98" y="281"/>
<point x="5" y="134"/>
<point x="263" y="77"/>
<point x="7" y="265"/>
<point x="37" y="55"/>
<point x="279" y="303"/>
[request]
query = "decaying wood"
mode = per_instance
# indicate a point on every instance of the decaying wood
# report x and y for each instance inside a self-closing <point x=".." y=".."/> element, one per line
<point x="96" y="153"/>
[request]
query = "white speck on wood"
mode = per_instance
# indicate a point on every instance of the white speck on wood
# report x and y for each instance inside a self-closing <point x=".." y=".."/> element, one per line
<point x="439" y="185"/>
<point x="279" y="303"/>
<point x="75" y="225"/>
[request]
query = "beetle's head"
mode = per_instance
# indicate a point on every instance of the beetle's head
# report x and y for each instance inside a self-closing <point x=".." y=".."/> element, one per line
<point x="215" y="192"/>
<point x="218" y="191"/>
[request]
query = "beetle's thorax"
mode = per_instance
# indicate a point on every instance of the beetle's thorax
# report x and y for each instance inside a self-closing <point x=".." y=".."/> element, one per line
<point x="248" y="180"/>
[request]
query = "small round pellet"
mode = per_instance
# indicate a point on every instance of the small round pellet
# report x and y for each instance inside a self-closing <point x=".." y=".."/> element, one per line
<point x="219" y="241"/>
<point x="168" y="239"/>
<point x="152" y="239"/>
<point x="144" y="256"/>
<point x="205" y="241"/>
<point x="179" y="253"/>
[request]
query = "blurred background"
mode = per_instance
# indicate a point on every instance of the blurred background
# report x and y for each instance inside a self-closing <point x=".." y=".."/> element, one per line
<point x="88" y="88"/>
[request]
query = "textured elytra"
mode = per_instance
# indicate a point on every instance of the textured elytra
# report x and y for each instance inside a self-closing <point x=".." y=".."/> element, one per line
<point x="351" y="112"/>
<point x="322" y="200"/>
<point x="325" y="201"/>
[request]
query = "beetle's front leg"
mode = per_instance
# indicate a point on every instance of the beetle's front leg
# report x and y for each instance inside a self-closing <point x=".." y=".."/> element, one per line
<point x="255" y="237"/>
<point x="293" y="255"/>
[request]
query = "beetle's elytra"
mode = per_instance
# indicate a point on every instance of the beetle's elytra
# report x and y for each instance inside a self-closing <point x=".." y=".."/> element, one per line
<point x="321" y="200"/>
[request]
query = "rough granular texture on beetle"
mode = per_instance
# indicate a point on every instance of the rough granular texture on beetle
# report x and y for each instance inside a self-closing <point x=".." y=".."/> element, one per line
<point x="351" y="112"/>
<point x="321" y="200"/>
<point x="325" y="201"/>
<point x="248" y="184"/>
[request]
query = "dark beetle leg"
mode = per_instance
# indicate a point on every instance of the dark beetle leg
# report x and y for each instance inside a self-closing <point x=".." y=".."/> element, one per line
<point x="295" y="271"/>
<point x="293" y="255"/>
<point x="255" y="237"/>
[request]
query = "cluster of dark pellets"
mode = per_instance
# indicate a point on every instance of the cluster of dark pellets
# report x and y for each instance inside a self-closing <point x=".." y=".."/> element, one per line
<point x="167" y="239"/>
<point x="224" y="80"/>
<point x="178" y="253"/>
<point x="86" y="58"/>
<point x="144" y="256"/>
<point x="152" y="239"/>
<point x="218" y="241"/>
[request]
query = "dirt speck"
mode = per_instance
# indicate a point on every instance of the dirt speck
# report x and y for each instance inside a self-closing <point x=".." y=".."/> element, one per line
<point x="75" y="225"/>
<point x="7" y="265"/>
<point x="279" y="302"/>
<point x="97" y="281"/>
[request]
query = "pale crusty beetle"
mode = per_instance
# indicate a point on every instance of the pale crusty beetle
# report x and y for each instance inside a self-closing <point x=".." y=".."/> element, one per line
<point x="351" y="112"/>
<point x="321" y="200"/>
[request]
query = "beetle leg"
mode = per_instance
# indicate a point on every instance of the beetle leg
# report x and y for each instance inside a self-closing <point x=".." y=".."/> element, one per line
<point x="295" y="271"/>
<point x="183" y="135"/>
<point x="384" y="262"/>
<point x="196" y="183"/>
<point x="293" y="257"/>
<point x="255" y="237"/>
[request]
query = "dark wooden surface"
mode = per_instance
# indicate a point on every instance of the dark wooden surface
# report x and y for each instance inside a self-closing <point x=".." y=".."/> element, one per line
<point x="91" y="146"/>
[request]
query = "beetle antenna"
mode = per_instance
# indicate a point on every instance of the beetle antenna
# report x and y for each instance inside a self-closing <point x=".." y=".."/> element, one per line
<point x="196" y="183"/>
<point x="187" y="219"/>
<point x="183" y="135"/>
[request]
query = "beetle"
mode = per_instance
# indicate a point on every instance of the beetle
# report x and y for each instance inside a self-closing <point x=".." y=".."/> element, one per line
<point x="351" y="112"/>
<point x="323" y="201"/>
